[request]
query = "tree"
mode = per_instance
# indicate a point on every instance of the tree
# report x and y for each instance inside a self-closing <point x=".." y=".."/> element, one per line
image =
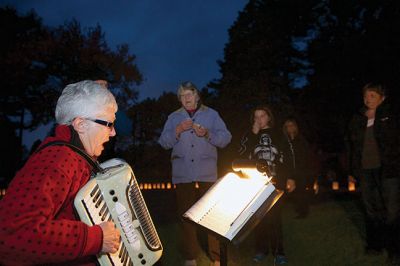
<point x="346" y="44"/>
<point x="9" y="155"/>
<point x="259" y="57"/>
<point x="38" y="61"/>
<point x="260" y="63"/>
<point x="149" y="116"/>
<point x="20" y="64"/>
<point x="355" y="44"/>
<point x="74" y="55"/>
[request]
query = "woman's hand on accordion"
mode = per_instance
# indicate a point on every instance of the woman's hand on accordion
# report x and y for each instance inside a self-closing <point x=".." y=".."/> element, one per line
<point x="111" y="237"/>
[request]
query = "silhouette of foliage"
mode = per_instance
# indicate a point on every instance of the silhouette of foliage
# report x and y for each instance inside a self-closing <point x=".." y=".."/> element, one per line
<point x="148" y="117"/>
<point x="355" y="43"/>
<point x="37" y="62"/>
<point x="337" y="46"/>
<point x="259" y="59"/>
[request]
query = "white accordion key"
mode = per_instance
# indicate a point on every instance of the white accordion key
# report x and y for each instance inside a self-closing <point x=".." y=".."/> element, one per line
<point x="127" y="226"/>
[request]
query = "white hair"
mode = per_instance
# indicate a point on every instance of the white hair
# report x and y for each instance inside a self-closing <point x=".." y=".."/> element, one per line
<point x="83" y="99"/>
<point x="187" y="86"/>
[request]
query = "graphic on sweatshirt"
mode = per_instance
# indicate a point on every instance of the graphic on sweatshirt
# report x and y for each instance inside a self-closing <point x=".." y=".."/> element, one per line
<point x="265" y="150"/>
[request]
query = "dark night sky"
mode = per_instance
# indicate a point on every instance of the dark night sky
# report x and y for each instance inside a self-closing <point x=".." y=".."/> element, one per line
<point x="173" y="40"/>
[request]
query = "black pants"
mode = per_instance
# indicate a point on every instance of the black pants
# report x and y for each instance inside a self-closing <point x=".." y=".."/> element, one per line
<point x="300" y="198"/>
<point x="381" y="198"/>
<point x="186" y="196"/>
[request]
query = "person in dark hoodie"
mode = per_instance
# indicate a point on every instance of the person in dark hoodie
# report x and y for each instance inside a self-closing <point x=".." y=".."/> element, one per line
<point x="299" y="164"/>
<point x="264" y="143"/>
<point x="374" y="136"/>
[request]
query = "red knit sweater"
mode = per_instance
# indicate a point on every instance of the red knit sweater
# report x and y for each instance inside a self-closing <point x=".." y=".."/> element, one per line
<point x="37" y="220"/>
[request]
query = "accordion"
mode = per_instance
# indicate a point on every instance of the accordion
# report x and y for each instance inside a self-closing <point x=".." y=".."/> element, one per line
<point x="114" y="195"/>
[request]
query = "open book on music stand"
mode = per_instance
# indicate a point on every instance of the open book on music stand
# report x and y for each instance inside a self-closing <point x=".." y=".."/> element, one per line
<point x="235" y="204"/>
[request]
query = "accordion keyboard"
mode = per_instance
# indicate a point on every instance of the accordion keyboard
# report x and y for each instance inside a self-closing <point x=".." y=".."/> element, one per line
<point x="114" y="195"/>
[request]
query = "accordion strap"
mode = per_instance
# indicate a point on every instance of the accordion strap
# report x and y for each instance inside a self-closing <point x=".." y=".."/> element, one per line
<point x="96" y="167"/>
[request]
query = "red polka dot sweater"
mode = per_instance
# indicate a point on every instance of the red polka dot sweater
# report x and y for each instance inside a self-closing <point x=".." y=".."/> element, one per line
<point x="37" y="220"/>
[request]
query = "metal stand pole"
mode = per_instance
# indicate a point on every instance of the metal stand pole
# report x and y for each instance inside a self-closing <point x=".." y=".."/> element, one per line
<point x="223" y="250"/>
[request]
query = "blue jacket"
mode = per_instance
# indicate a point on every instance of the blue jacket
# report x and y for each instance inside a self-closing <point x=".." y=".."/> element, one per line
<point x="195" y="158"/>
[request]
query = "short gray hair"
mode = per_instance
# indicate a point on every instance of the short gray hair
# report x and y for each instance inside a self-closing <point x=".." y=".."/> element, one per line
<point x="187" y="86"/>
<point x="83" y="99"/>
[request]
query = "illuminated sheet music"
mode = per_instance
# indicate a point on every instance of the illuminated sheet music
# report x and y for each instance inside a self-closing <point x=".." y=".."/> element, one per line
<point x="227" y="206"/>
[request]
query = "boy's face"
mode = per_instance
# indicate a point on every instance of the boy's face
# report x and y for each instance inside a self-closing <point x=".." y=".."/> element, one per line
<point x="372" y="99"/>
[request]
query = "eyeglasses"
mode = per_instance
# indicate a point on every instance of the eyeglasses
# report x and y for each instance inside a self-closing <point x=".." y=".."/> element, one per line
<point x="103" y="122"/>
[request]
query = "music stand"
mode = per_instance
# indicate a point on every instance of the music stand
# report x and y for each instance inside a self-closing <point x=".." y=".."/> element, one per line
<point x="236" y="227"/>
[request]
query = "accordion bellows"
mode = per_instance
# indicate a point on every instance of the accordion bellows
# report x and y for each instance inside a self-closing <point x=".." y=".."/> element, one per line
<point x="114" y="195"/>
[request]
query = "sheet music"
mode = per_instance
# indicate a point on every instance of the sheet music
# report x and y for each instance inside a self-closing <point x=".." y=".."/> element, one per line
<point x="229" y="203"/>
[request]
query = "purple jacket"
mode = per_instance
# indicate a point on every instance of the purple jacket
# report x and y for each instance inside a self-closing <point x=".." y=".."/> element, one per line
<point x="195" y="158"/>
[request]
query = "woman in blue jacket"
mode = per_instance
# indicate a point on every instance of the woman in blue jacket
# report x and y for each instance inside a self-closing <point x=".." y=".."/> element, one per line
<point x="193" y="132"/>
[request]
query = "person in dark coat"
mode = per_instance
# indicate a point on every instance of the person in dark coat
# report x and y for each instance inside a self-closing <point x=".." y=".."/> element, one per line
<point x="299" y="164"/>
<point x="374" y="136"/>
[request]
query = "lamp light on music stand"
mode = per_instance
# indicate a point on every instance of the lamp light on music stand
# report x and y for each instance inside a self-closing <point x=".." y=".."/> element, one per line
<point x="251" y="168"/>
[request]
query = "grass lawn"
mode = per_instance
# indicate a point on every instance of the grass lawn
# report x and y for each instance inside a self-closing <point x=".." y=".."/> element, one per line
<point x="331" y="235"/>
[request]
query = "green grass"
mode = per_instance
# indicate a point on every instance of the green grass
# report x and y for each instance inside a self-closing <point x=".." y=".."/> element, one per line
<point x="331" y="235"/>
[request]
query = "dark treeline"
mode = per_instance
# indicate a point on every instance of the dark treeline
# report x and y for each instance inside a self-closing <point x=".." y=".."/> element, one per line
<point x="329" y="49"/>
<point x="347" y="44"/>
<point x="36" y="62"/>
<point x="338" y="46"/>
